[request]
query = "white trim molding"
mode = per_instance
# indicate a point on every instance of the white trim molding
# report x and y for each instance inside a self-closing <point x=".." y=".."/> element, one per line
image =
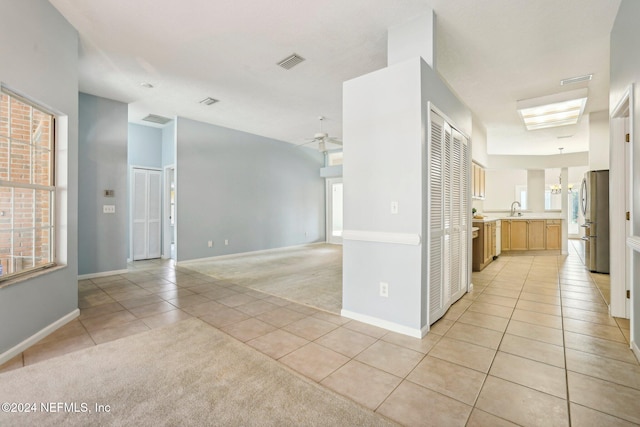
<point x="635" y="349"/>
<point x="382" y="237"/>
<point x="237" y="254"/>
<point x="102" y="274"/>
<point x="19" y="348"/>
<point x="385" y="324"/>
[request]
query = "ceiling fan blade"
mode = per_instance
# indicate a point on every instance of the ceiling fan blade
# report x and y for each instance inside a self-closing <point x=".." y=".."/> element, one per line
<point x="334" y="141"/>
<point x="306" y="143"/>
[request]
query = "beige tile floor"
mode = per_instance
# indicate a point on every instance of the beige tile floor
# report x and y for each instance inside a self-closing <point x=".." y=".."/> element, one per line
<point x="532" y="344"/>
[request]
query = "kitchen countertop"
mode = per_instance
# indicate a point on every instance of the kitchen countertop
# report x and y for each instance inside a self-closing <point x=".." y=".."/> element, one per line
<point x="524" y="216"/>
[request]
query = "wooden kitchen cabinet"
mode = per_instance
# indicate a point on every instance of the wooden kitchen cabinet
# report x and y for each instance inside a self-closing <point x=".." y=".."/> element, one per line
<point x="484" y="246"/>
<point x="554" y="234"/>
<point x="506" y="235"/>
<point x="531" y="234"/>
<point x="477" y="181"/>
<point x="519" y="231"/>
<point x="536" y="234"/>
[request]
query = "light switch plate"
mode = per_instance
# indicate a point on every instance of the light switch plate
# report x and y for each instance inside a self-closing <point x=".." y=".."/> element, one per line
<point x="394" y="208"/>
<point x="108" y="208"/>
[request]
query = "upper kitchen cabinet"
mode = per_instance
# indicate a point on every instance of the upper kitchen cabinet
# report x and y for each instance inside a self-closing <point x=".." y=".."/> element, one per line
<point x="477" y="181"/>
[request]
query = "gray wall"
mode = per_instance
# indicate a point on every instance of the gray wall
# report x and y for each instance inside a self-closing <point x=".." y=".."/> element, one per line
<point x="256" y="192"/>
<point x="40" y="59"/>
<point x="169" y="144"/>
<point x="385" y="122"/>
<point x="145" y="146"/>
<point x="625" y="70"/>
<point x="102" y="152"/>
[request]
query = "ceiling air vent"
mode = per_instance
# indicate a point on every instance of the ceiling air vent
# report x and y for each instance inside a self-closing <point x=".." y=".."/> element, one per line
<point x="153" y="118"/>
<point x="291" y="61"/>
<point x="578" y="79"/>
<point x="209" y="101"/>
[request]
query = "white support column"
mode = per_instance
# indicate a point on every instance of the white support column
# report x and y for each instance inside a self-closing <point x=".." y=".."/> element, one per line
<point x="564" y="176"/>
<point x="416" y="38"/>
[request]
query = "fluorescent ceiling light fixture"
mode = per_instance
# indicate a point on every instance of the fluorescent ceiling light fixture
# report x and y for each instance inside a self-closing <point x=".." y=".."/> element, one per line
<point x="560" y="109"/>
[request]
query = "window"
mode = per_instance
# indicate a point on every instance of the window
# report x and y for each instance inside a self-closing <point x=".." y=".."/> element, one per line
<point x="334" y="158"/>
<point x="27" y="188"/>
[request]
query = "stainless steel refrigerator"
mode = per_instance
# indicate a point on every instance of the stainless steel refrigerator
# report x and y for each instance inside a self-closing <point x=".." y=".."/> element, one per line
<point x="594" y="203"/>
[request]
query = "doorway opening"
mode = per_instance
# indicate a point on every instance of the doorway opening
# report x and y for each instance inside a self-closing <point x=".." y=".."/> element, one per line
<point x="334" y="210"/>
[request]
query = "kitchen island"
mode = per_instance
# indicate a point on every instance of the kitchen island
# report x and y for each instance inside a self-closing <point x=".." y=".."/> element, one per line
<point x="518" y="233"/>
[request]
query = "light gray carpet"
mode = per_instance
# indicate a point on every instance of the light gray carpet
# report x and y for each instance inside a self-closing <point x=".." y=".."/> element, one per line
<point x="185" y="374"/>
<point x="310" y="275"/>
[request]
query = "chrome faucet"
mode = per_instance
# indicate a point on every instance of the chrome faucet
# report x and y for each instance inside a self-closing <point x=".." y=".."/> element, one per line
<point x="513" y="209"/>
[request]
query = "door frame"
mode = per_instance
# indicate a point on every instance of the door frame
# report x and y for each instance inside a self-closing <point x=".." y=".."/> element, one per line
<point x="329" y="210"/>
<point x="166" y="212"/>
<point x="621" y="271"/>
<point x="130" y="221"/>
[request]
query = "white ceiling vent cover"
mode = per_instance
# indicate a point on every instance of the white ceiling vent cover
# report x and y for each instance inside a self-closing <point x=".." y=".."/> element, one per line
<point x="209" y="101"/>
<point x="153" y="118"/>
<point x="291" y="61"/>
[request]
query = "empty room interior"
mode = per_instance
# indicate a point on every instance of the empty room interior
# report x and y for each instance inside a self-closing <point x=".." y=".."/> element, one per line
<point x="420" y="213"/>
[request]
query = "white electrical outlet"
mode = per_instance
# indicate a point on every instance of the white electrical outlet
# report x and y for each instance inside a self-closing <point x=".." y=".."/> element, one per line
<point x="226" y="242"/>
<point x="384" y="289"/>
<point x="108" y="208"/>
<point x="394" y="208"/>
<point x="210" y="243"/>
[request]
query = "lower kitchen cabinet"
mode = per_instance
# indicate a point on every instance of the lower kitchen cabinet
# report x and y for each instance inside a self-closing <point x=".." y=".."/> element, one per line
<point x="519" y="230"/>
<point x="506" y="235"/>
<point x="484" y="246"/>
<point x="531" y="234"/>
<point x="554" y="234"/>
<point x="536" y="234"/>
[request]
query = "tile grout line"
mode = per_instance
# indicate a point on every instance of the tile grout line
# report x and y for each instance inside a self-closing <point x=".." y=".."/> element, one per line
<point x="498" y="348"/>
<point x="564" y="353"/>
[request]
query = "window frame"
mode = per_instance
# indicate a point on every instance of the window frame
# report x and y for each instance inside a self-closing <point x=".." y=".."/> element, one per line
<point x="51" y="189"/>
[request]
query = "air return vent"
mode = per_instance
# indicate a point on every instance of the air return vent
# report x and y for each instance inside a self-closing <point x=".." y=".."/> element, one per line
<point x="209" y="101"/>
<point x="291" y="61"/>
<point x="153" y="118"/>
<point x="578" y="79"/>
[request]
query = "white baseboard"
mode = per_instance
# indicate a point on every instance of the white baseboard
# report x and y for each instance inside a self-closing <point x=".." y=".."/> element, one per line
<point x="213" y="258"/>
<point x="102" y="274"/>
<point x="385" y="324"/>
<point x="635" y="349"/>
<point x="19" y="348"/>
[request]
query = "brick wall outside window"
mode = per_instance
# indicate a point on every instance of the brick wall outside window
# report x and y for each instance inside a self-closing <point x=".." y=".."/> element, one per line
<point x="26" y="186"/>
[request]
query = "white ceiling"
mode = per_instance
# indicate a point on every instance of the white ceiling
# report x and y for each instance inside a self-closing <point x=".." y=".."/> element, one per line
<point x="492" y="53"/>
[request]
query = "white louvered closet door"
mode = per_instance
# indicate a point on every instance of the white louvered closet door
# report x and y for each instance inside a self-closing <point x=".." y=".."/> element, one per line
<point x="146" y="214"/>
<point x="460" y="212"/>
<point x="449" y="179"/>
<point x="436" y="209"/>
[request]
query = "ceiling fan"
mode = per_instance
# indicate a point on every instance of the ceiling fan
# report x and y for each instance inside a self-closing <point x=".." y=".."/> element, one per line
<point x="322" y="138"/>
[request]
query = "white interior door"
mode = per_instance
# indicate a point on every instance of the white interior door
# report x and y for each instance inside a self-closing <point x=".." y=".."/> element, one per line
<point x="334" y="210"/>
<point x="146" y="216"/>
<point x="436" y="252"/>
<point x="449" y="212"/>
